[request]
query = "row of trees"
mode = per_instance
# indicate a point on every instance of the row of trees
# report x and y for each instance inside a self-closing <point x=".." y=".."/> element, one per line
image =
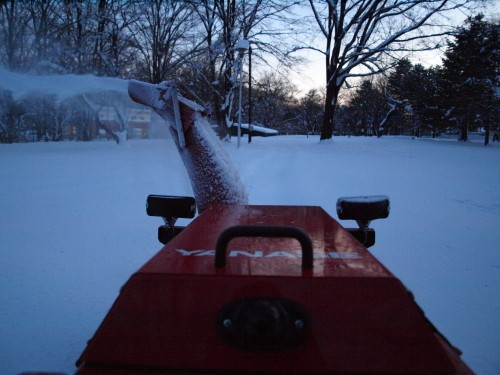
<point x="193" y="42"/>
<point x="189" y="41"/>
<point x="461" y="94"/>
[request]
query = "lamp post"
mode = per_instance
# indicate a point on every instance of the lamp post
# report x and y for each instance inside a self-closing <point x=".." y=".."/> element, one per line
<point x="241" y="47"/>
<point x="250" y="125"/>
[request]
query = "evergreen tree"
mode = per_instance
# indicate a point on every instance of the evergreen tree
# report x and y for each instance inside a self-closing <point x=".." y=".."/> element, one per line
<point x="421" y="96"/>
<point x="398" y="88"/>
<point x="413" y="93"/>
<point x="398" y="82"/>
<point x="310" y="111"/>
<point x="368" y="109"/>
<point x="469" y="77"/>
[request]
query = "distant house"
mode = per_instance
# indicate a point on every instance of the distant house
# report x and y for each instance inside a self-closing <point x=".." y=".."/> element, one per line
<point x="257" y="130"/>
<point x="108" y="118"/>
<point x="139" y="121"/>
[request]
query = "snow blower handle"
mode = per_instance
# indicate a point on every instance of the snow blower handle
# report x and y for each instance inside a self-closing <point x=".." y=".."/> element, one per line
<point x="264" y="231"/>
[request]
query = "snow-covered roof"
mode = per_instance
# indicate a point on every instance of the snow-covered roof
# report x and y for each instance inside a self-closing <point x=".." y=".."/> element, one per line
<point x="257" y="128"/>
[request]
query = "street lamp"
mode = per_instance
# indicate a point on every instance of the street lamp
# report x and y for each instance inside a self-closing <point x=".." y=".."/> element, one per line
<point x="241" y="47"/>
<point x="250" y="124"/>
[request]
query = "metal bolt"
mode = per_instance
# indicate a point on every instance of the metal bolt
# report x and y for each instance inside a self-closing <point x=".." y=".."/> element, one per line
<point x="299" y="324"/>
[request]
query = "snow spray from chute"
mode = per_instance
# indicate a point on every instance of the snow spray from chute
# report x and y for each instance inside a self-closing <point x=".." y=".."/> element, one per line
<point x="214" y="178"/>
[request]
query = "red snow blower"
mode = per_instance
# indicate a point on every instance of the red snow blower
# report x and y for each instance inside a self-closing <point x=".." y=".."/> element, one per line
<point x="267" y="290"/>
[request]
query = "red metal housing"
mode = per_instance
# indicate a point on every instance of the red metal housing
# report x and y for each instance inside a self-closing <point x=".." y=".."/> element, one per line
<point x="361" y="319"/>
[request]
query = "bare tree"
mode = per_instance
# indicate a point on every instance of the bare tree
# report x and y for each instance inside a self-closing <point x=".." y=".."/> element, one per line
<point x="363" y="38"/>
<point x="39" y="117"/>
<point x="162" y="37"/>
<point x="43" y="15"/>
<point x="11" y="113"/>
<point x="14" y="41"/>
<point x="76" y="36"/>
<point x="275" y="102"/>
<point x="119" y="55"/>
<point x="113" y="44"/>
<point x="264" y="23"/>
<point x="310" y="111"/>
<point x="50" y="36"/>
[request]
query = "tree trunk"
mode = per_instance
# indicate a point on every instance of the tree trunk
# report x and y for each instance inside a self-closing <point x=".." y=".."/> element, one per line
<point x="332" y="93"/>
<point x="486" y="135"/>
<point x="107" y="130"/>
<point x="223" y="110"/>
<point x="99" y="41"/>
<point x="487" y="129"/>
<point x="463" y="133"/>
<point x="220" y="114"/>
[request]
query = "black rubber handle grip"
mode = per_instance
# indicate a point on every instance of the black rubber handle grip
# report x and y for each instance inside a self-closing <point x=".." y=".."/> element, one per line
<point x="264" y="231"/>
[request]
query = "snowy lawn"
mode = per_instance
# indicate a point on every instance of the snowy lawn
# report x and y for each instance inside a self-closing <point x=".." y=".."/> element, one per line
<point x="73" y="228"/>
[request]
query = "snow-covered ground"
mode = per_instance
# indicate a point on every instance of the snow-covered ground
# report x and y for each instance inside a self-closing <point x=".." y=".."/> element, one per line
<point x="73" y="228"/>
